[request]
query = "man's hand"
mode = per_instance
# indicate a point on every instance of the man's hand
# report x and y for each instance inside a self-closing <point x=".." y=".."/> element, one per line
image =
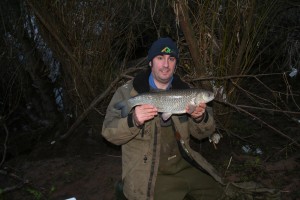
<point x="199" y="111"/>
<point x="143" y="113"/>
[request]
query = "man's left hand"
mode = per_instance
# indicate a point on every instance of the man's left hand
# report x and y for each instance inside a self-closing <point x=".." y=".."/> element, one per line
<point x="199" y="111"/>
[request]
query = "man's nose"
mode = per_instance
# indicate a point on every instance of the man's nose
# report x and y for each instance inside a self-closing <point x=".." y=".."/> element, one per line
<point x="166" y="62"/>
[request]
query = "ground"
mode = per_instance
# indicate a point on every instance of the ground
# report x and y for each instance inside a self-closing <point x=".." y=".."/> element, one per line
<point x="81" y="167"/>
<point x="87" y="167"/>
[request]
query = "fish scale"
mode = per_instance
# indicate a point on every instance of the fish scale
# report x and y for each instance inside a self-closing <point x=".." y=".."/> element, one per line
<point x="173" y="101"/>
<point x="167" y="102"/>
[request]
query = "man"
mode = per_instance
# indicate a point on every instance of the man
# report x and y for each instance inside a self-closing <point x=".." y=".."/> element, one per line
<point x="157" y="161"/>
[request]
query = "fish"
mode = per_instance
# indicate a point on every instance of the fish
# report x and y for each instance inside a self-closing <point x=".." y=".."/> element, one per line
<point x="167" y="102"/>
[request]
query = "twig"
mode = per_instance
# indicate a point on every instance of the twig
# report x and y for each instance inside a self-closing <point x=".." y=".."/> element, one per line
<point x="14" y="176"/>
<point x="99" y="112"/>
<point x="290" y="90"/>
<point x="228" y="165"/>
<point x="108" y="155"/>
<point x="50" y="28"/>
<point x="269" y="109"/>
<point x="152" y="16"/>
<point x="250" y="94"/>
<point x="95" y="102"/>
<point x="235" y="76"/>
<point x="5" y="141"/>
<point x="12" y="188"/>
<point x="263" y="122"/>
<point x="278" y="152"/>
<point x="230" y="132"/>
<point x="215" y="146"/>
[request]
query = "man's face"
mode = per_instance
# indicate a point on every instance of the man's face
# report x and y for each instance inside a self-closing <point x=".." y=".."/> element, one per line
<point x="163" y="67"/>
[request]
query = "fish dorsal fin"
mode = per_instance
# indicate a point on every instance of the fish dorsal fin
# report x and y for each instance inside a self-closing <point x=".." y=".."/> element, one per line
<point x="166" y="116"/>
<point x="157" y="90"/>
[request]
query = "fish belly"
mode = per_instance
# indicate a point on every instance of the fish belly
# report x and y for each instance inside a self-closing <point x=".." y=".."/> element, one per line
<point x="165" y="104"/>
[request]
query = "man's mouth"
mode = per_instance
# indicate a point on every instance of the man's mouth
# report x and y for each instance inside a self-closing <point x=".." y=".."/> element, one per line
<point x="165" y="71"/>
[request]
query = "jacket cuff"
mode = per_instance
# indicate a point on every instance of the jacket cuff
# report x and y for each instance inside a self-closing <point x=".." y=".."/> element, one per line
<point x="130" y="121"/>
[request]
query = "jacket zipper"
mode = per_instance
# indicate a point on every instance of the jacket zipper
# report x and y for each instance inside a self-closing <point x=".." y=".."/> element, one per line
<point x="152" y="164"/>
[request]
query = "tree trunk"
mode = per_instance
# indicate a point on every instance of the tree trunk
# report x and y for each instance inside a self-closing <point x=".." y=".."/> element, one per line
<point x="39" y="91"/>
<point x="186" y="26"/>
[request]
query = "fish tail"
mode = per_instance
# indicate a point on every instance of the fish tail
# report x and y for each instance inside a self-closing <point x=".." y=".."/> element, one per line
<point x="123" y="107"/>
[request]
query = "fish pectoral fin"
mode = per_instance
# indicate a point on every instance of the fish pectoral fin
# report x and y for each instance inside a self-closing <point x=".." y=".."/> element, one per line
<point x="191" y="108"/>
<point x="166" y="116"/>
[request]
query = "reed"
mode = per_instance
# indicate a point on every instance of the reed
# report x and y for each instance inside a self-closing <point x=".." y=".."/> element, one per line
<point x="93" y="41"/>
<point x="229" y="37"/>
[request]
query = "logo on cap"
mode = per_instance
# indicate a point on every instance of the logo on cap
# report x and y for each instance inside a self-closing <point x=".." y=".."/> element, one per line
<point x="166" y="50"/>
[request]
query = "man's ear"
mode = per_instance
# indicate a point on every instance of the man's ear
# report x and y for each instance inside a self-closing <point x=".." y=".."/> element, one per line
<point x="150" y="64"/>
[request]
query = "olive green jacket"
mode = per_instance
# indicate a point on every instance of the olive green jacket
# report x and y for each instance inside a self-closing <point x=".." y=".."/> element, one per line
<point x="141" y="146"/>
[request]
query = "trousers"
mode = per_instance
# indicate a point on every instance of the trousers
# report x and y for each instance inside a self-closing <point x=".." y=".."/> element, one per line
<point x="188" y="184"/>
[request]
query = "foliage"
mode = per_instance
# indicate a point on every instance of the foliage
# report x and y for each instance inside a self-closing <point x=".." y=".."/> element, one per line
<point x="230" y="37"/>
<point x="93" y="42"/>
<point x="36" y="194"/>
<point x="238" y="42"/>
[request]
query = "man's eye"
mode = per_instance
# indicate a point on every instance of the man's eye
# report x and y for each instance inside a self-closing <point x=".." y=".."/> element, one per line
<point x="172" y="59"/>
<point x="159" y="57"/>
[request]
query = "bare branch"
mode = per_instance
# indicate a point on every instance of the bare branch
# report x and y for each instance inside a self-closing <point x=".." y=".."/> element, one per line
<point x="260" y="120"/>
<point x="14" y="176"/>
<point x="267" y="109"/>
<point x="96" y="101"/>
<point x="49" y="27"/>
<point x="237" y="76"/>
<point x="12" y="188"/>
<point x="5" y="141"/>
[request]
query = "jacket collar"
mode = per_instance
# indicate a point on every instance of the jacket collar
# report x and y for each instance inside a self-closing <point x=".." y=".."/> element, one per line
<point x="141" y="84"/>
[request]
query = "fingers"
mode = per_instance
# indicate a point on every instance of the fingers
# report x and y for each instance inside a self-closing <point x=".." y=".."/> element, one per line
<point x="199" y="111"/>
<point x="200" y="107"/>
<point x="144" y="113"/>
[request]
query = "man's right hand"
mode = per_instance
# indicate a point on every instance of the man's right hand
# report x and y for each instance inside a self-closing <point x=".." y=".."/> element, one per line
<point x="143" y="113"/>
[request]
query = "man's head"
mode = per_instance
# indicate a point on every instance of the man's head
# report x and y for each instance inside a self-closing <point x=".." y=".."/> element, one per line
<point x="162" y="57"/>
<point x="163" y="46"/>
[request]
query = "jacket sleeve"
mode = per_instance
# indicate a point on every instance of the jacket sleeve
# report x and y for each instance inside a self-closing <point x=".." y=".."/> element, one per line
<point x="115" y="129"/>
<point x="204" y="128"/>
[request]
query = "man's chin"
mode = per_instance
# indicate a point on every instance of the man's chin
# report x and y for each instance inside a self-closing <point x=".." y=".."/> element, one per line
<point x="166" y="76"/>
<point x="166" y="79"/>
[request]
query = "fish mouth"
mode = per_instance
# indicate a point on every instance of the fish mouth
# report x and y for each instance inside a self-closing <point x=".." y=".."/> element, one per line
<point x="210" y="97"/>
